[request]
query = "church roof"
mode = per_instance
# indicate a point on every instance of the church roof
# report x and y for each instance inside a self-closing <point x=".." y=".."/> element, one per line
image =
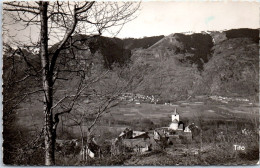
<point x="175" y="121"/>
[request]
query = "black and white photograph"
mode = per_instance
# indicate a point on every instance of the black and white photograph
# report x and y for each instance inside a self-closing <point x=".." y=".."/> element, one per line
<point x="130" y="83"/>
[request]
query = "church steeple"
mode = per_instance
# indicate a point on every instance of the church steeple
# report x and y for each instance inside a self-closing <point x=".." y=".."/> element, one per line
<point x="175" y="115"/>
<point x="175" y="111"/>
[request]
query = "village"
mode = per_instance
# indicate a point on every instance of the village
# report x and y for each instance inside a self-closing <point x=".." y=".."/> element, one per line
<point x="175" y="139"/>
<point x="145" y="127"/>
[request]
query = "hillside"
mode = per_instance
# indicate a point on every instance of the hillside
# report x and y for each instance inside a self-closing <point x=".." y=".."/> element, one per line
<point x="146" y="42"/>
<point x="198" y="45"/>
<point x="233" y="69"/>
<point x="213" y="63"/>
<point x="177" y="66"/>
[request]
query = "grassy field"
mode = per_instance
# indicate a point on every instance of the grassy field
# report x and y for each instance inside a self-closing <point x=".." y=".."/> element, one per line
<point x="187" y="111"/>
<point x="30" y="114"/>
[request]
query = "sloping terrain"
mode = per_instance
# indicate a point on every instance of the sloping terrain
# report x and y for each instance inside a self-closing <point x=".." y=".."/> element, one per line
<point x="243" y="33"/>
<point x="173" y="68"/>
<point x="146" y="42"/>
<point x="214" y="63"/>
<point x="233" y="69"/>
<point x="197" y="46"/>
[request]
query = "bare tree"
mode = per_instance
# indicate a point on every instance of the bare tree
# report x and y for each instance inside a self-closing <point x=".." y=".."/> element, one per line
<point x="59" y="21"/>
<point x="108" y="94"/>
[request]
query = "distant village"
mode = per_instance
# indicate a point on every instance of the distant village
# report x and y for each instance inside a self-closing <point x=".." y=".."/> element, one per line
<point x="138" y="98"/>
<point x="228" y="99"/>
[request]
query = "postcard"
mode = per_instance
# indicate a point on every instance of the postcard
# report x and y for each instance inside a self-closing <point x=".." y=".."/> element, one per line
<point x="132" y="83"/>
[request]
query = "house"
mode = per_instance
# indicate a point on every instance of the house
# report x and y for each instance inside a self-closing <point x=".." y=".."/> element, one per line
<point x="159" y="133"/>
<point x="130" y="134"/>
<point x="195" y="131"/>
<point x="160" y="139"/>
<point x="187" y="129"/>
<point x="140" y="134"/>
<point x="181" y="126"/>
<point x="90" y="153"/>
<point x="137" y="145"/>
<point x="137" y="141"/>
<point x="91" y="150"/>
<point x="126" y="134"/>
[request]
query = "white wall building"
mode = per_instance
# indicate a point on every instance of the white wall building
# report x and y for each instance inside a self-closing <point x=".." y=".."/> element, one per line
<point x="175" y="115"/>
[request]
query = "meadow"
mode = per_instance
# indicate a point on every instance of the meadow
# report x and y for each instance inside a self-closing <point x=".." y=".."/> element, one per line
<point x="221" y="125"/>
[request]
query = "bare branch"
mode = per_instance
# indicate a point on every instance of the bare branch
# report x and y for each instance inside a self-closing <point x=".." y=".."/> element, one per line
<point x="85" y="7"/>
<point x="22" y="10"/>
<point x="21" y="6"/>
<point x="66" y="37"/>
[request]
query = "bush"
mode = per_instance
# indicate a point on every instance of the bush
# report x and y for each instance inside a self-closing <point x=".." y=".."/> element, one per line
<point x="251" y="153"/>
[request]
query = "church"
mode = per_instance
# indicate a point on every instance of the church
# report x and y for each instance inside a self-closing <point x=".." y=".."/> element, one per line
<point x="174" y="130"/>
<point x="176" y="124"/>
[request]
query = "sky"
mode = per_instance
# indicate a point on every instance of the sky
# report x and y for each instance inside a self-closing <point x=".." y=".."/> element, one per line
<point x="164" y="18"/>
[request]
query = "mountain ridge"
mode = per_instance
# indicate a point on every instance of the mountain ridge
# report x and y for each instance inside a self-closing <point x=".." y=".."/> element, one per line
<point x="179" y="65"/>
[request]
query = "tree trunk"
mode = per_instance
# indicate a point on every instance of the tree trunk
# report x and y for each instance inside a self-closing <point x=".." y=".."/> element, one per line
<point x="49" y="131"/>
<point x="82" y="144"/>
